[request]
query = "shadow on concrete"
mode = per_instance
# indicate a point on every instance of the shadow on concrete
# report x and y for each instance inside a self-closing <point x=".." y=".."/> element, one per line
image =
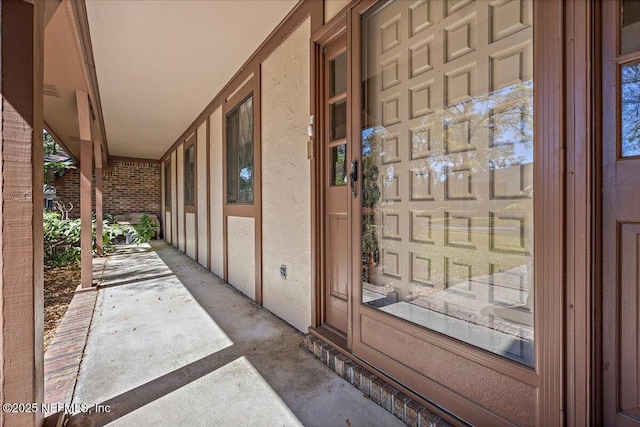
<point x="188" y="349"/>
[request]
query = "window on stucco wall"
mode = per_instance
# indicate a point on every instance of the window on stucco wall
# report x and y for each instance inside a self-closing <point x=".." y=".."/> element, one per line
<point x="240" y="168"/>
<point x="167" y="185"/>
<point x="190" y="174"/>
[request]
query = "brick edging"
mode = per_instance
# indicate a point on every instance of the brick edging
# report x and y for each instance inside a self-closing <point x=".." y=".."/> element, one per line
<point x="384" y="394"/>
<point x="63" y="358"/>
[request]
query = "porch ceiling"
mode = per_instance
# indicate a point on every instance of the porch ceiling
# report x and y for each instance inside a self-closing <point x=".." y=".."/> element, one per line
<point x="159" y="63"/>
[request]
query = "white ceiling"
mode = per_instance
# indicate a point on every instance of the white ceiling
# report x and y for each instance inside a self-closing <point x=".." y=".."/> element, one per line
<point x="159" y="63"/>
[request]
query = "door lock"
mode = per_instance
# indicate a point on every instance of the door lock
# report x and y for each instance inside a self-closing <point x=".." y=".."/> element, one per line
<point x="353" y="177"/>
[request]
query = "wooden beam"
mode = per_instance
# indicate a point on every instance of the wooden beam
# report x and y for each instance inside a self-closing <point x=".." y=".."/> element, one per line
<point x="86" y="168"/>
<point x="21" y="204"/>
<point x="98" y="155"/>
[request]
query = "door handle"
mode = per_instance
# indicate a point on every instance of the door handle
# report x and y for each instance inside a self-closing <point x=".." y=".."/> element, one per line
<point x="353" y="177"/>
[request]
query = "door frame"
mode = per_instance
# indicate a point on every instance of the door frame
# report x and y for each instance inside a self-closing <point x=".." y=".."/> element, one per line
<point x="571" y="383"/>
<point x="336" y="28"/>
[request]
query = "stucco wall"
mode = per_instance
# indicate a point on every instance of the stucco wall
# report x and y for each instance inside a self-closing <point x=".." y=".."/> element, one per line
<point x="217" y="244"/>
<point x="201" y="190"/>
<point x="241" y="251"/>
<point x="174" y="201"/>
<point x="190" y="232"/>
<point x="180" y="210"/>
<point x="332" y="7"/>
<point x="286" y="211"/>
<point x="167" y="230"/>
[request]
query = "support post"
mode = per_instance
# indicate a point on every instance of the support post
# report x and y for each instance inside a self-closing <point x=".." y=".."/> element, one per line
<point x="99" y="216"/>
<point x="21" y="204"/>
<point x="86" y="169"/>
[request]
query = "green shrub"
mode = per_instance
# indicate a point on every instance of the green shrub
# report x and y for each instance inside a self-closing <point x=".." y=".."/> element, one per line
<point x="61" y="238"/>
<point x="145" y="230"/>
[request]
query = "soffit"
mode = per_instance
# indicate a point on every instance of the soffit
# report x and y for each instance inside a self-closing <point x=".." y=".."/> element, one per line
<point x="159" y="63"/>
<point x="63" y="75"/>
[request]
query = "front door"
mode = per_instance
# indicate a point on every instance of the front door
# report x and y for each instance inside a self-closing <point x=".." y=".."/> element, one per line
<point x="336" y="216"/>
<point x="621" y="213"/>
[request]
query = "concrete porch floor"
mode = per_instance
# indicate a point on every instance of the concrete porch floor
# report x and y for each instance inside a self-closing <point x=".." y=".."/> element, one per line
<point x="171" y="344"/>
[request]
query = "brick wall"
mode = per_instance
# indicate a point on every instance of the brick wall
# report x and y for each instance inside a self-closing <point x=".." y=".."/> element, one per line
<point x="127" y="186"/>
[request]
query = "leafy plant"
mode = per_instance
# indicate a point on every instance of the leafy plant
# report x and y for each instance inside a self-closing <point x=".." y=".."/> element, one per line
<point x="52" y="167"/>
<point x="145" y="230"/>
<point x="61" y="238"/>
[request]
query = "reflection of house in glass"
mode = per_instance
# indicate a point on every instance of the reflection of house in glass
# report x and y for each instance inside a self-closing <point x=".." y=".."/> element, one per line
<point x="454" y="223"/>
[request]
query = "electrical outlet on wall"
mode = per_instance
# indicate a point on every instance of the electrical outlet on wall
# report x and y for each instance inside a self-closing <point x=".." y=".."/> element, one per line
<point x="283" y="271"/>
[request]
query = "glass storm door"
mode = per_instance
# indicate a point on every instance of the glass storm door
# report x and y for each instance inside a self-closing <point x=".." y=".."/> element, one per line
<point x="446" y="289"/>
<point x="337" y="195"/>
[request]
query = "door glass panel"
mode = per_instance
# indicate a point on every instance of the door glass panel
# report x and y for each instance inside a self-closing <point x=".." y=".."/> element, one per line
<point x="338" y="120"/>
<point x="338" y="77"/>
<point x="447" y="157"/>
<point x="630" y="110"/>
<point x="338" y="173"/>
<point x="630" y="34"/>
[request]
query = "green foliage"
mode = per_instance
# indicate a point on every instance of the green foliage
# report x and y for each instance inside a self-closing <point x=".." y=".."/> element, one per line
<point x="145" y="230"/>
<point x="53" y="168"/>
<point x="61" y="238"/>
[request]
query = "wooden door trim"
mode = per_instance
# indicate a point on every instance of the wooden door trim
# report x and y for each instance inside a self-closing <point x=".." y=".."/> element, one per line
<point x="583" y="229"/>
<point x="248" y="210"/>
<point x="320" y="38"/>
<point x="608" y="397"/>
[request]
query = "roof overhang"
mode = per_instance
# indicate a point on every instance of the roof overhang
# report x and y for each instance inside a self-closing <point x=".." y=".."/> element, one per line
<point x="149" y="67"/>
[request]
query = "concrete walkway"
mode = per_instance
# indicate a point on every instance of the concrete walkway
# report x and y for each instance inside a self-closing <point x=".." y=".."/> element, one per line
<point x="170" y="344"/>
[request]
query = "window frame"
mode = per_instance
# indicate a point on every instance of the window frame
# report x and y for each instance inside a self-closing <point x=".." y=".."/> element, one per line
<point x="190" y="143"/>
<point x="166" y="176"/>
<point x="227" y="115"/>
<point x="249" y="87"/>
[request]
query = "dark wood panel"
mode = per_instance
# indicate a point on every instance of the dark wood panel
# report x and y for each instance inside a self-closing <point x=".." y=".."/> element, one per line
<point x="338" y="275"/>
<point x="503" y="397"/>
<point x="629" y="375"/>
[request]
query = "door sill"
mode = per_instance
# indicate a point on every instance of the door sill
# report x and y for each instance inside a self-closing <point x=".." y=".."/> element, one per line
<point x="331" y="336"/>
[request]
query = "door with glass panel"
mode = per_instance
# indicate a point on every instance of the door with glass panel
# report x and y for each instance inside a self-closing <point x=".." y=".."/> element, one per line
<point x="336" y="152"/>
<point x="621" y="212"/>
<point x="447" y="206"/>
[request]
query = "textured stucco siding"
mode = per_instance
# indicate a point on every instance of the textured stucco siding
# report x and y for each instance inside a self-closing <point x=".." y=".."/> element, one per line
<point x="201" y="152"/>
<point x="241" y="250"/>
<point x="217" y="243"/>
<point x="180" y="210"/>
<point x="286" y="210"/>
<point x="332" y="7"/>
<point x="167" y="230"/>
<point x="174" y="200"/>
<point x="190" y="231"/>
